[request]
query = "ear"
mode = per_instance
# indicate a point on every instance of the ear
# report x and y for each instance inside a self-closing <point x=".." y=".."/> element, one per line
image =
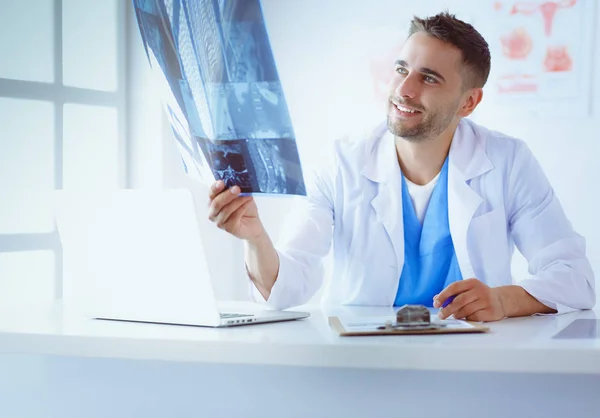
<point x="472" y="99"/>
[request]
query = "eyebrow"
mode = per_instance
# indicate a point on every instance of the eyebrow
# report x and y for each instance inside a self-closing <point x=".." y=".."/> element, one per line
<point x="423" y="70"/>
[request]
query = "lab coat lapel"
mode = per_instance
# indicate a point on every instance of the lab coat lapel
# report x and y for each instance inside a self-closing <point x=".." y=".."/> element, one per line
<point x="467" y="160"/>
<point x="383" y="170"/>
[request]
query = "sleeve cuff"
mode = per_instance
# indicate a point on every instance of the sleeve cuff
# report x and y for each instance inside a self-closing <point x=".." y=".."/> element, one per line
<point x="531" y="288"/>
<point x="255" y="294"/>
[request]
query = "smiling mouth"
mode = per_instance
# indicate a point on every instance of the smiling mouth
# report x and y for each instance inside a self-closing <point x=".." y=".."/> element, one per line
<point x="405" y="109"/>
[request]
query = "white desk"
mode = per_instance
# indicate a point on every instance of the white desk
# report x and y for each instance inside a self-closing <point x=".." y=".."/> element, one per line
<point x="76" y="367"/>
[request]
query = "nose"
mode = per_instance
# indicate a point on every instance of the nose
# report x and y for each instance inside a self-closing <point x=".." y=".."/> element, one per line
<point x="407" y="87"/>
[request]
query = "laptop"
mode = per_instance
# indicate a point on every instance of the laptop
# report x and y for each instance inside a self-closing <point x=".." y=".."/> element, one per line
<point x="138" y="255"/>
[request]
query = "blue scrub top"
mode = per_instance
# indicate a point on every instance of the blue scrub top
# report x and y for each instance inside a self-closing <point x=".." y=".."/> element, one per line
<point x="429" y="259"/>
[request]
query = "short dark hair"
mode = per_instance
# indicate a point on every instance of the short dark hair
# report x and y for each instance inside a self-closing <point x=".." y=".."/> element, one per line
<point x="475" y="50"/>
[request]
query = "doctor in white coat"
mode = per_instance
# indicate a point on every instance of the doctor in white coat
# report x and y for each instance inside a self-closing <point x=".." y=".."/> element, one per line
<point x="426" y="209"/>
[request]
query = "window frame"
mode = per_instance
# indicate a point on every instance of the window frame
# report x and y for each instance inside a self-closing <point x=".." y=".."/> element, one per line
<point x="59" y="94"/>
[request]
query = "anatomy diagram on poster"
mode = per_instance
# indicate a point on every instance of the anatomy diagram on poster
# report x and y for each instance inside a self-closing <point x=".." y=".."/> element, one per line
<point x="541" y="50"/>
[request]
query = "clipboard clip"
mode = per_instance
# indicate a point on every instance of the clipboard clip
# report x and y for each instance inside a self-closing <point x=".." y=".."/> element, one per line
<point x="413" y="317"/>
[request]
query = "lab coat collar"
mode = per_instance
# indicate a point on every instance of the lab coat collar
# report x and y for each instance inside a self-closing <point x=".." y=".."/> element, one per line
<point x="467" y="155"/>
<point x="380" y="149"/>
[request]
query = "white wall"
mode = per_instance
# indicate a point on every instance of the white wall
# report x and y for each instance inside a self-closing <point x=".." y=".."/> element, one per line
<point x="324" y="51"/>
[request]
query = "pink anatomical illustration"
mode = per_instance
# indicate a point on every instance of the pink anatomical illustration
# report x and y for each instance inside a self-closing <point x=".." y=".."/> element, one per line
<point x="543" y="50"/>
<point x="517" y="45"/>
<point x="548" y="10"/>
<point x="517" y="83"/>
<point x="558" y="59"/>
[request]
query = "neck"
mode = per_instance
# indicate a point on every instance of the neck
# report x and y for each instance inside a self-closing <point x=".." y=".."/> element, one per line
<point x="421" y="161"/>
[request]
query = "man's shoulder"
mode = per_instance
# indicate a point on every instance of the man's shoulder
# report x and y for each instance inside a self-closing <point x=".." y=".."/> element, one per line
<point x="345" y="154"/>
<point x="496" y="144"/>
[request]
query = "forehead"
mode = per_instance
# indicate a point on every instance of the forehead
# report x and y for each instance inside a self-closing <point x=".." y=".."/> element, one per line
<point x="425" y="51"/>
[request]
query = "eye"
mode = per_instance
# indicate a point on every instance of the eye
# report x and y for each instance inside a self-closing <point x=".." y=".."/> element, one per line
<point x="429" y="79"/>
<point x="401" y="70"/>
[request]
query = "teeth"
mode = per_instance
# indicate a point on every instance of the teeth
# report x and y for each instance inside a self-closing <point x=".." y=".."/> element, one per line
<point x="405" y="109"/>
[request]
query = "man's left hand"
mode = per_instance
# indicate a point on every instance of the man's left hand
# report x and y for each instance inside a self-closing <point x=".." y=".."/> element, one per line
<point x="474" y="301"/>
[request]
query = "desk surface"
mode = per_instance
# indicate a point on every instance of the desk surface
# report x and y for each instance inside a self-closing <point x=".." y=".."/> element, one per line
<point x="513" y="345"/>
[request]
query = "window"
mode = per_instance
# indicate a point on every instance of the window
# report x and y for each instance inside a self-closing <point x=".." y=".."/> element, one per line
<point x="62" y="126"/>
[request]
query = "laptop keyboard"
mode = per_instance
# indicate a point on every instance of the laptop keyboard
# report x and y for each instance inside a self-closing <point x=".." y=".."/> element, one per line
<point x="233" y="315"/>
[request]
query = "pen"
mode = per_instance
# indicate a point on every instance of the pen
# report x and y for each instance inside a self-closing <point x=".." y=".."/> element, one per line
<point x="448" y="301"/>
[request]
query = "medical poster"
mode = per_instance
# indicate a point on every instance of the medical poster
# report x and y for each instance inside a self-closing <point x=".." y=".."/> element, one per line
<point x="222" y="92"/>
<point x="541" y="52"/>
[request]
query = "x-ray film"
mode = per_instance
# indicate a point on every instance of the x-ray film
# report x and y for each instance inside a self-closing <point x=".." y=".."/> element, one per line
<point x="222" y="93"/>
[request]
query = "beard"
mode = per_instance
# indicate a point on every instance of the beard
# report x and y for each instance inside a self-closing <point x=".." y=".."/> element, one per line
<point x="432" y="124"/>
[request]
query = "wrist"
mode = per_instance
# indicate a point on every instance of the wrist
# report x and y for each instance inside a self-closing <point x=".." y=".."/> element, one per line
<point x="503" y="300"/>
<point x="516" y="301"/>
<point x="258" y="239"/>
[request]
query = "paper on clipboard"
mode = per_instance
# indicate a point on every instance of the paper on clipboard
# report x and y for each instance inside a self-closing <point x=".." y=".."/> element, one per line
<point x="371" y="323"/>
<point x="357" y="326"/>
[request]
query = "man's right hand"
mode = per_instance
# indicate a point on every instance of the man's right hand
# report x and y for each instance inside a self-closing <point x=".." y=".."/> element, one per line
<point x="238" y="215"/>
<point x="233" y="213"/>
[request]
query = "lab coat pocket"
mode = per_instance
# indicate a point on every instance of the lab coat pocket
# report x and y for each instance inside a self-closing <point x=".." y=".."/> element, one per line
<point x="488" y="247"/>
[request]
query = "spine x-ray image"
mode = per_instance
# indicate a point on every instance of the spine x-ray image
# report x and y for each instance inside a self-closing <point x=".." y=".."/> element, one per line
<point x="223" y="96"/>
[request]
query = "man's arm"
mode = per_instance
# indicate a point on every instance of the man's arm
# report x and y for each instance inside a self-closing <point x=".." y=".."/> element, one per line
<point x="238" y="215"/>
<point x="293" y="275"/>
<point x="262" y="263"/>
<point x="290" y="273"/>
<point x="476" y="301"/>
<point x="561" y="276"/>
<point x="305" y="239"/>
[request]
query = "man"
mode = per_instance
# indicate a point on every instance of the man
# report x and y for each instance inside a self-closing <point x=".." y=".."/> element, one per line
<point x="428" y="210"/>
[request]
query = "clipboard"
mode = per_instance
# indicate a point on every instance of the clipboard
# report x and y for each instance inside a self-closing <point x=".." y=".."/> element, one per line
<point x="336" y="324"/>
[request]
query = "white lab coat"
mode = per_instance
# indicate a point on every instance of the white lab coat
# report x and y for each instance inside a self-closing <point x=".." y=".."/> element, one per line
<point x="498" y="196"/>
